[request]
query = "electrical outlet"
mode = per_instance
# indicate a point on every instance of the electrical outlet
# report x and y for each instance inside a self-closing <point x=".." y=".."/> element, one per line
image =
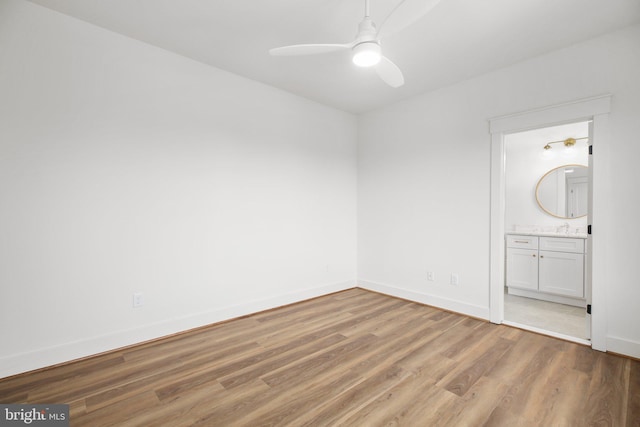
<point x="138" y="301"/>
<point x="430" y="276"/>
<point x="455" y="279"/>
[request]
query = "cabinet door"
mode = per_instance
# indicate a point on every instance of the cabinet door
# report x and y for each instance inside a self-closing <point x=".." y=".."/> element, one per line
<point x="522" y="268"/>
<point x="562" y="273"/>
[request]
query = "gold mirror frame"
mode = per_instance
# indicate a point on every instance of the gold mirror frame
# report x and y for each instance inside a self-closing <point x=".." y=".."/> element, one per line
<point x="538" y="189"/>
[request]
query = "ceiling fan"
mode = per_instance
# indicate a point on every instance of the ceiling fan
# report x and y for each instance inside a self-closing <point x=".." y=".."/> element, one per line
<point x="366" y="47"/>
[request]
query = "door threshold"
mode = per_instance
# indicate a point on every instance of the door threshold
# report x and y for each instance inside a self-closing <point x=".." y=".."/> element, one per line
<point x="558" y="335"/>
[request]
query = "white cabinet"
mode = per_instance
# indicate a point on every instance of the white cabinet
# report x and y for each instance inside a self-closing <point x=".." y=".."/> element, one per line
<point x="561" y="273"/>
<point x="522" y="268"/>
<point x="522" y="262"/>
<point x="549" y="268"/>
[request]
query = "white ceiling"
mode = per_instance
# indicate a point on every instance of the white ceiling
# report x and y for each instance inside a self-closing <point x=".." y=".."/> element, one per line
<point x="457" y="40"/>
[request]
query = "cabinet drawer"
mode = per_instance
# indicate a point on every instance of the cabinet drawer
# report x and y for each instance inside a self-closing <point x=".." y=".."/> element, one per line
<point x="522" y="242"/>
<point x="562" y="244"/>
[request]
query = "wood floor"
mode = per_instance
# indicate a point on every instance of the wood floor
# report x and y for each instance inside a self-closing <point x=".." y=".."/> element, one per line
<point x="354" y="358"/>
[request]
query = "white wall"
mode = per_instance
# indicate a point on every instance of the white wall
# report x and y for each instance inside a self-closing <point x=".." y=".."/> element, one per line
<point x="424" y="180"/>
<point x="526" y="161"/>
<point x="125" y="168"/>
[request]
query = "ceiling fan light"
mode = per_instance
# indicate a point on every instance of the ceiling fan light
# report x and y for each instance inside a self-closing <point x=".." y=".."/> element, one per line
<point x="366" y="54"/>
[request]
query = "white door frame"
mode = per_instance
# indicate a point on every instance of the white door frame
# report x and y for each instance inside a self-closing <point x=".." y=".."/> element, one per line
<point x="596" y="109"/>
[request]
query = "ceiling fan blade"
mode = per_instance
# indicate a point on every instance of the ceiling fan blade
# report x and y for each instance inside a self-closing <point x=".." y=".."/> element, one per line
<point x="404" y="14"/>
<point x="307" y="49"/>
<point x="389" y="72"/>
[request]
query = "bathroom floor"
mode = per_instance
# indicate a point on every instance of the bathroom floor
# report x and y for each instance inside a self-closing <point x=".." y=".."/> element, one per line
<point x="560" y="318"/>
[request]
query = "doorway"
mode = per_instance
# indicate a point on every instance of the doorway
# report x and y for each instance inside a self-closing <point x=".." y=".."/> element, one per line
<point x="546" y="192"/>
<point x="597" y="110"/>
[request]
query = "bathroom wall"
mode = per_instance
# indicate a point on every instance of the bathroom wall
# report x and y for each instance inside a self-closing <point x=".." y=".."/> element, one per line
<point x="526" y="162"/>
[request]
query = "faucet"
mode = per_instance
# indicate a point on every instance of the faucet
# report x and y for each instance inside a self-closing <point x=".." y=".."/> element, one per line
<point x="565" y="226"/>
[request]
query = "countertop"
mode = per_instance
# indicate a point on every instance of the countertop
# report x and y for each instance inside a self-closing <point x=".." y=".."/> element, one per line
<point x="547" y="234"/>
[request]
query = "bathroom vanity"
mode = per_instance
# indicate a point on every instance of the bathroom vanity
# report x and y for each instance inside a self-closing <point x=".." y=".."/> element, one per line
<point x="546" y="266"/>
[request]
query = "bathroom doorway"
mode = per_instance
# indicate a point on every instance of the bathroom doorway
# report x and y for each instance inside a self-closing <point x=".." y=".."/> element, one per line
<point x="546" y="189"/>
<point x="595" y="110"/>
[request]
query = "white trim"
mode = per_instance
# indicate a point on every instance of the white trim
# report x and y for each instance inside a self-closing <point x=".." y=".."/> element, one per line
<point x="596" y="109"/>
<point x="623" y="346"/>
<point x="24" y="362"/>
<point x="439" y="302"/>
<point x="567" y="112"/>
<point x="546" y="332"/>
<point x="496" y="238"/>
<point x="601" y="202"/>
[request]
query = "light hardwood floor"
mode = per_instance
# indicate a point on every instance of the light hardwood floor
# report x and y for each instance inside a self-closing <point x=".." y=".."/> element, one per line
<point x="354" y="358"/>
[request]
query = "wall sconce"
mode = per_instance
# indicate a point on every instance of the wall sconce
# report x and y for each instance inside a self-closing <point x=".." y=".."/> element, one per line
<point x="569" y="142"/>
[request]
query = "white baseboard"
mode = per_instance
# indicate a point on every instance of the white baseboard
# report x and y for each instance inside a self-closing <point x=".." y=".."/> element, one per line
<point x="576" y="302"/>
<point x="444" y="303"/>
<point x="623" y="346"/>
<point x="24" y="362"/>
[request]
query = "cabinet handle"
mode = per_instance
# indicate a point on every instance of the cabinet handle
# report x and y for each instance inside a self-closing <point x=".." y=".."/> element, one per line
<point x="541" y="256"/>
<point x="534" y="255"/>
<point x="521" y="241"/>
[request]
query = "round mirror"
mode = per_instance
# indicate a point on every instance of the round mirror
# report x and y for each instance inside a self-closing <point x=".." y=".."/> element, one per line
<point x="562" y="192"/>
